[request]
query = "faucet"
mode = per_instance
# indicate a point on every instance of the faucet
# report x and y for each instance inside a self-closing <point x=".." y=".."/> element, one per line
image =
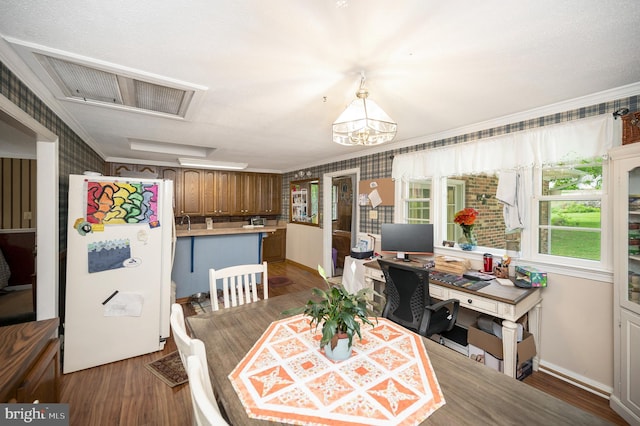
<point x="188" y="221"/>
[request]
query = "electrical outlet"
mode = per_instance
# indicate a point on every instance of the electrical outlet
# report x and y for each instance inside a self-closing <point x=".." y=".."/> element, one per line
<point x="26" y="216"/>
<point x="373" y="214"/>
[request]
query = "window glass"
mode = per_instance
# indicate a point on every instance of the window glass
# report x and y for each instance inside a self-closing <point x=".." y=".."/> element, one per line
<point x="570" y="209"/>
<point x="418" y="202"/>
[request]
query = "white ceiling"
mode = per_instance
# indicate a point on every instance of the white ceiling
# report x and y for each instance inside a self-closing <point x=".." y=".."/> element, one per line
<point x="277" y="73"/>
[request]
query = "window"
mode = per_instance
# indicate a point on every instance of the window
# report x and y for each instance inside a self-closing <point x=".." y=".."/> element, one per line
<point x="334" y="202"/>
<point x="455" y="202"/>
<point x="417" y="201"/>
<point x="563" y="198"/>
<point x="570" y="210"/>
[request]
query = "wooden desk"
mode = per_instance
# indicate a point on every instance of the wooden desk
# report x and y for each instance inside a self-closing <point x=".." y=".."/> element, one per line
<point x="507" y="303"/>
<point x="30" y="362"/>
<point x="474" y="394"/>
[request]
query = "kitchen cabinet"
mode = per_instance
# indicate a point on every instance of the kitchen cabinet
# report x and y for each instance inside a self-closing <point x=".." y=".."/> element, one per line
<point x="217" y="193"/>
<point x="274" y="246"/>
<point x="192" y="200"/>
<point x="173" y="174"/>
<point x="199" y="192"/>
<point x="625" y="399"/>
<point x="30" y="362"/>
<point x="134" y="170"/>
<point x="269" y="193"/>
<point x="244" y="194"/>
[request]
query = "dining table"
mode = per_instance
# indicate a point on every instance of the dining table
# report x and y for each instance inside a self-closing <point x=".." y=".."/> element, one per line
<point x="472" y="393"/>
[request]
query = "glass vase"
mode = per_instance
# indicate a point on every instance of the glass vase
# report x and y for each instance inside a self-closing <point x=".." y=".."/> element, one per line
<point x="470" y="242"/>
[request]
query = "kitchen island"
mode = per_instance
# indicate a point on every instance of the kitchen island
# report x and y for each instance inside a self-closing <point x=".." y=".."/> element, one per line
<point x="227" y="244"/>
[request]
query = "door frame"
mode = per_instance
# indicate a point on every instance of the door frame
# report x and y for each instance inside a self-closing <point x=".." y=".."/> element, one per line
<point x="327" y="180"/>
<point x="47" y="229"/>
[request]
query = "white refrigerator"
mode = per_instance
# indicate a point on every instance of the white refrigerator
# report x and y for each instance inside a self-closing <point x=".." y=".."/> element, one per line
<point x="118" y="288"/>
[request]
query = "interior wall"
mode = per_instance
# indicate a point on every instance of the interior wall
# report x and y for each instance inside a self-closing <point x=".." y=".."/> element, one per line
<point x="577" y="324"/>
<point x="305" y="245"/>
<point x="18" y="180"/>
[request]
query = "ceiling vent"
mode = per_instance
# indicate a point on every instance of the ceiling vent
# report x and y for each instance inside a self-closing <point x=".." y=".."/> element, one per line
<point x="83" y="83"/>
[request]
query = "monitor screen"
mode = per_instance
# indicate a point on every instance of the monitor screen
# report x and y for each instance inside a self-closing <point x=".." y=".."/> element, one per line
<point x="407" y="238"/>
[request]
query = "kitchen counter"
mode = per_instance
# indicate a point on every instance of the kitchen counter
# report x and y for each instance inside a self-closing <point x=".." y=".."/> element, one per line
<point x="198" y="230"/>
<point x="227" y="244"/>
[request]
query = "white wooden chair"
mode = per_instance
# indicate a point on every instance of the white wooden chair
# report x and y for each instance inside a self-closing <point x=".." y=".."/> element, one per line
<point x="239" y="284"/>
<point x="206" y="411"/>
<point x="182" y="339"/>
<point x="193" y="349"/>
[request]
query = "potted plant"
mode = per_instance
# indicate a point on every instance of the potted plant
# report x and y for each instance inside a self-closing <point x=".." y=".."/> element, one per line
<point x="340" y="314"/>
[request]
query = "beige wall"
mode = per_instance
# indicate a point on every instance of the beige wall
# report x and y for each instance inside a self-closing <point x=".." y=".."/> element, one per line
<point x="577" y="329"/>
<point x="304" y="245"/>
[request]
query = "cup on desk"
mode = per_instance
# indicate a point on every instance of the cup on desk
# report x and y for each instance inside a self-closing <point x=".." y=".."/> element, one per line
<point x="488" y="262"/>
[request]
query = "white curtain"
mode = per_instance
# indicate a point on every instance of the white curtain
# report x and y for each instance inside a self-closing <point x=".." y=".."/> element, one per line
<point x="565" y="142"/>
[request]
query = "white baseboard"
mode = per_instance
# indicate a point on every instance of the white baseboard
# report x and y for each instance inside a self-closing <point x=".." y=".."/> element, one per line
<point x="582" y="382"/>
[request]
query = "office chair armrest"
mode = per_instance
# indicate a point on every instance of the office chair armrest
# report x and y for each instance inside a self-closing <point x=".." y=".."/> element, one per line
<point x="429" y="309"/>
<point x="437" y="306"/>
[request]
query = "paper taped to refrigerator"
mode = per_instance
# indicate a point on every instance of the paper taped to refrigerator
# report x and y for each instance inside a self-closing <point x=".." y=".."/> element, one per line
<point x="124" y="305"/>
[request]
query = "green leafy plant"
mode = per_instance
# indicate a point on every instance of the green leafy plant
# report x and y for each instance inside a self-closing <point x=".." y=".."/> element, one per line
<point x="339" y="312"/>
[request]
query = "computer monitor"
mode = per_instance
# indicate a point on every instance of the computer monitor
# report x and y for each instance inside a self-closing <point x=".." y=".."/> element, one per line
<point x="407" y="238"/>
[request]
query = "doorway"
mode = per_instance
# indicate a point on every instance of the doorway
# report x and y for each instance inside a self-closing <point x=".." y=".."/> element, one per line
<point x="341" y="217"/>
<point x="47" y="235"/>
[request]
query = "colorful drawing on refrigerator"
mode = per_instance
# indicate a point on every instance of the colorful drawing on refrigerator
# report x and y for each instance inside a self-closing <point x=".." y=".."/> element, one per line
<point x="108" y="255"/>
<point x="114" y="203"/>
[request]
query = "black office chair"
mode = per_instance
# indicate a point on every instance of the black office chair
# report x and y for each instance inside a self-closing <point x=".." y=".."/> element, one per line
<point x="408" y="302"/>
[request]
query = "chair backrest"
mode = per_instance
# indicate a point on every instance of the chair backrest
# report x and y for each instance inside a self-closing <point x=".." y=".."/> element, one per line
<point x="239" y="284"/>
<point x="205" y="408"/>
<point x="407" y="293"/>
<point x="182" y="339"/>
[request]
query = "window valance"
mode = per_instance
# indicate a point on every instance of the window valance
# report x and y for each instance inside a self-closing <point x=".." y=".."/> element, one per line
<point x="565" y="142"/>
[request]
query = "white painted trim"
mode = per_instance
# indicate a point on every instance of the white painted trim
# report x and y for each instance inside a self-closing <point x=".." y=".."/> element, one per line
<point x="326" y="212"/>
<point x="577" y="380"/>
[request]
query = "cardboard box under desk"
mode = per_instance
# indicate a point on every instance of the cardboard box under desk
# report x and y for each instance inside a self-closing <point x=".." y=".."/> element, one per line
<point x="493" y="344"/>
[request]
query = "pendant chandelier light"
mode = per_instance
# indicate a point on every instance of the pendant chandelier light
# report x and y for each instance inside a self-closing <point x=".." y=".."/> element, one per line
<point x="363" y="122"/>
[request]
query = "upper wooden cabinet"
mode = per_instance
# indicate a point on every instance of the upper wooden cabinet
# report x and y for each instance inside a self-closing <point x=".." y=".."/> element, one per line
<point x="137" y="170"/>
<point x="192" y="192"/>
<point x="244" y="193"/>
<point x="217" y="192"/>
<point x="269" y="193"/>
<point x="200" y="192"/>
<point x="173" y="174"/>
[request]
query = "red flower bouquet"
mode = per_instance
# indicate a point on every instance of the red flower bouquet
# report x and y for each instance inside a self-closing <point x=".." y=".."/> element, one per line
<point x="466" y="218"/>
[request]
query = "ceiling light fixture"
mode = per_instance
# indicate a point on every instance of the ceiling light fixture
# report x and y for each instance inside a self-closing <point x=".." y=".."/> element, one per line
<point x="205" y="164"/>
<point x="363" y="122"/>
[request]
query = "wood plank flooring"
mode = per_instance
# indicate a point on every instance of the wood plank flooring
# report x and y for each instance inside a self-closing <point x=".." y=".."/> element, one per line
<point x="125" y="393"/>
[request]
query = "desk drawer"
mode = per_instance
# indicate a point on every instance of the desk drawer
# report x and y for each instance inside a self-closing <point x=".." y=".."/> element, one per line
<point x="374" y="274"/>
<point x="436" y="291"/>
<point x="475" y="302"/>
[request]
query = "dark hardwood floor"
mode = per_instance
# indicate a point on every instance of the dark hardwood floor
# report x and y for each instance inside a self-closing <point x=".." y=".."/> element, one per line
<point x="126" y="393"/>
